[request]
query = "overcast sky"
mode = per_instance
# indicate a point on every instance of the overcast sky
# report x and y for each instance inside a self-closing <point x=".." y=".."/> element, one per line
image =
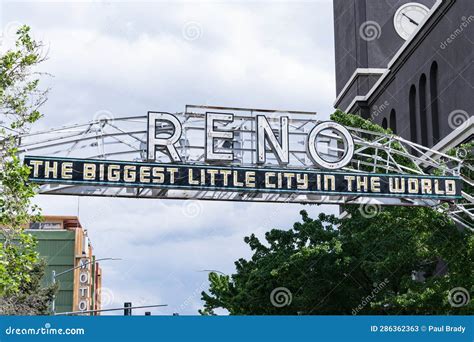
<point x="131" y="57"/>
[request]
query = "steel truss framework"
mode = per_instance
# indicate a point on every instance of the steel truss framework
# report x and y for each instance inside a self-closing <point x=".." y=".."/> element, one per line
<point x="125" y="138"/>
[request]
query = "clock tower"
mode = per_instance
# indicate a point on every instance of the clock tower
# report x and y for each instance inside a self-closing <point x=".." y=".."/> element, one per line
<point x="368" y="33"/>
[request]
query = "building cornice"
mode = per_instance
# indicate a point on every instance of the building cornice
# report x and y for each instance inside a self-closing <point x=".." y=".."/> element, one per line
<point x="460" y="135"/>
<point x="358" y="72"/>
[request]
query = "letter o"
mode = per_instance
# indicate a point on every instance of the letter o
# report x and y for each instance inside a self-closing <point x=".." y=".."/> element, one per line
<point x="348" y="142"/>
<point x="83" y="277"/>
<point x="82" y="305"/>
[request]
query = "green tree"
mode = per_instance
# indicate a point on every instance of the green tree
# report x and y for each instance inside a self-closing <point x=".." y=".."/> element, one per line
<point x="388" y="260"/>
<point x="21" y="272"/>
<point x="20" y="98"/>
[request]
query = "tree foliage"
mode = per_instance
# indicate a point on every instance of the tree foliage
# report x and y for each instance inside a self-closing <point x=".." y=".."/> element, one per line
<point x="21" y="272"/>
<point x="20" y="98"/>
<point x="375" y="260"/>
<point x="333" y="266"/>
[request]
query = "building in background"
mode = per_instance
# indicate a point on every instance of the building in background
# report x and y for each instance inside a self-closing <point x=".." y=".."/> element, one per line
<point x="65" y="246"/>
<point x="408" y="66"/>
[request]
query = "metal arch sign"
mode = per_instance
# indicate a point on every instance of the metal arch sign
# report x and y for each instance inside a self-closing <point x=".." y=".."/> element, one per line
<point x="270" y="143"/>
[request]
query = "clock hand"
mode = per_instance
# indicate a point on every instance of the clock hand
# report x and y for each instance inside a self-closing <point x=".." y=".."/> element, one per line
<point x="411" y="20"/>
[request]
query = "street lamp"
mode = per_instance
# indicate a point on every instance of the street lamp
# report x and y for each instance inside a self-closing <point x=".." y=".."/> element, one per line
<point x="54" y="275"/>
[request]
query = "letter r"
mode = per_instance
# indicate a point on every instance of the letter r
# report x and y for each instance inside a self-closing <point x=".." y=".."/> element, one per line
<point x="166" y="143"/>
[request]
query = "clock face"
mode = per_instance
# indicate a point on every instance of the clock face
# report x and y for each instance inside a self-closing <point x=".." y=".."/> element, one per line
<point x="408" y="18"/>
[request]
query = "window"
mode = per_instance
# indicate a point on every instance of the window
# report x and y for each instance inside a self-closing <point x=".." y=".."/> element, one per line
<point x="384" y="123"/>
<point x="393" y="121"/>
<point x="46" y="225"/>
<point x="423" y="117"/>
<point x="434" y="101"/>
<point x="412" y="107"/>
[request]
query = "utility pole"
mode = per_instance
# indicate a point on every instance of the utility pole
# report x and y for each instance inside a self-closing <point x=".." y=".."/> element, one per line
<point x="127" y="311"/>
<point x="53" y="304"/>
